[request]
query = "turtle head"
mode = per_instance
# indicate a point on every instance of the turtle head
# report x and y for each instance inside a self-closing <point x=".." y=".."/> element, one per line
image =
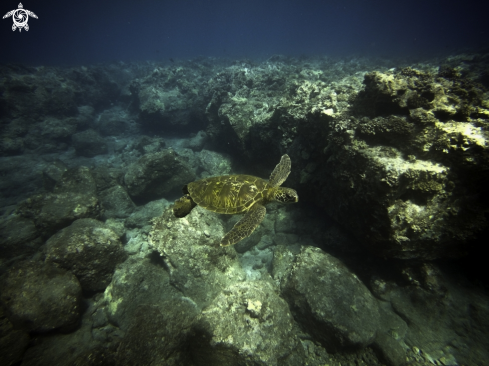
<point x="285" y="195"/>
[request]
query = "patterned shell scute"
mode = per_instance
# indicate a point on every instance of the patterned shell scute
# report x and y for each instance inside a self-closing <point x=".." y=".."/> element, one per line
<point x="228" y="194"/>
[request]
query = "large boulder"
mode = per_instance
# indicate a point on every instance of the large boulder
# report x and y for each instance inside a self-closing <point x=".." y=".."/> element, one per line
<point x="41" y="297"/>
<point x="170" y="98"/>
<point x="190" y="249"/>
<point x="330" y="302"/>
<point x="408" y="165"/>
<point x="88" y="249"/>
<point x="248" y="323"/>
<point x="156" y="174"/>
<point x="116" y="202"/>
<point x="18" y="237"/>
<point x="53" y="211"/>
<point x="143" y="215"/>
<point x="156" y="318"/>
<point x="33" y="93"/>
<point x="215" y="163"/>
<point x="79" y="180"/>
<point x="159" y="332"/>
<point x="13" y="342"/>
<point x="89" y="143"/>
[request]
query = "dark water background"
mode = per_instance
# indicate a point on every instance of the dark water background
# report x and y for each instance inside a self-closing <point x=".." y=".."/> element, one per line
<point x="77" y="32"/>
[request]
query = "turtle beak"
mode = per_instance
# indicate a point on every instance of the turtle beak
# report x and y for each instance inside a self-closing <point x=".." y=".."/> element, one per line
<point x="293" y="197"/>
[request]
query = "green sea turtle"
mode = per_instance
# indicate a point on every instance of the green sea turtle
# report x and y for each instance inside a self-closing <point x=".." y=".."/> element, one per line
<point x="237" y="194"/>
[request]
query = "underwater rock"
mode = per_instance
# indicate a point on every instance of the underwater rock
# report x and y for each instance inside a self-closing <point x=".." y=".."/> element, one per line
<point x="52" y="174"/>
<point x="13" y="342"/>
<point x="330" y="302"/>
<point x="169" y="98"/>
<point x="283" y="259"/>
<point x="83" y="346"/>
<point x="113" y="122"/>
<point x="21" y="178"/>
<point x="19" y="237"/>
<point x="446" y="96"/>
<point x="89" y="250"/>
<point x="54" y="211"/>
<point x="248" y="323"/>
<point x="434" y="310"/>
<point x="157" y="174"/>
<point x="11" y="146"/>
<point x="146" y="145"/>
<point x="400" y="160"/>
<point x="89" y="143"/>
<point x="85" y="117"/>
<point x="35" y="94"/>
<point x="197" y="142"/>
<point x="77" y="180"/>
<point x="159" y="332"/>
<point x="50" y="135"/>
<point x="106" y="176"/>
<point x="116" y="202"/>
<point x="190" y="249"/>
<point x="143" y="214"/>
<point x="407" y="165"/>
<point x="41" y="297"/>
<point x="137" y="283"/>
<point x="215" y="163"/>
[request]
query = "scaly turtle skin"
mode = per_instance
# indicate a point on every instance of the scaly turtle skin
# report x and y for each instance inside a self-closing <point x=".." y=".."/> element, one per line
<point x="237" y="194"/>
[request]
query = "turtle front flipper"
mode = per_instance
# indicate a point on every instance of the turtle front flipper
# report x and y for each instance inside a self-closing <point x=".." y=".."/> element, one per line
<point x="183" y="206"/>
<point x="281" y="171"/>
<point x="245" y="227"/>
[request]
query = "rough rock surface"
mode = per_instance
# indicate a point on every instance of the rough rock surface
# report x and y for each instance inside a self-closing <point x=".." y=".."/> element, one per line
<point x="88" y="249"/>
<point x="18" y="237"/>
<point x="330" y="302"/>
<point x="416" y="154"/>
<point x="440" y="311"/>
<point x="52" y="212"/>
<point x="155" y="317"/>
<point x="248" y="323"/>
<point x="21" y="178"/>
<point x="78" y="180"/>
<point x="198" y="142"/>
<point x="106" y="176"/>
<point x="87" y="345"/>
<point x="89" y="144"/>
<point x="136" y="282"/>
<point x="156" y="174"/>
<point x="215" y="163"/>
<point x="401" y="158"/>
<point x="170" y="98"/>
<point x="159" y="333"/>
<point x="143" y="215"/>
<point x="13" y="342"/>
<point x="40" y="297"/>
<point x="52" y="174"/>
<point x="190" y="249"/>
<point x="116" y="202"/>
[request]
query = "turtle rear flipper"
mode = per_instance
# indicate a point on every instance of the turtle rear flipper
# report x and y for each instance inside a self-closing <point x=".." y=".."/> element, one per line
<point x="183" y="206"/>
<point x="245" y="227"/>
